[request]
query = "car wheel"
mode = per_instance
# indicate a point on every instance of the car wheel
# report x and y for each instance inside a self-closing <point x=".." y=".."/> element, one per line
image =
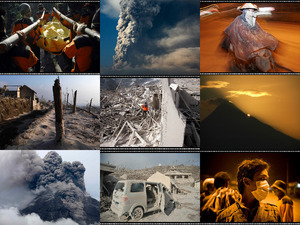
<point x="137" y="213"/>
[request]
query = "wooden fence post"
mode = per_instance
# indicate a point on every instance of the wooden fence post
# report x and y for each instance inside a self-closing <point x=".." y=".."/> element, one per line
<point x="90" y="105"/>
<point x="59" y="123"/>
<point x="67" y="99"/>
<point x="75" y="97"/>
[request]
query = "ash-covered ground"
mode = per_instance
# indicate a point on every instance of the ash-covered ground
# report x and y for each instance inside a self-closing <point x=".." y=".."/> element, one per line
<point x="81" y="132"/>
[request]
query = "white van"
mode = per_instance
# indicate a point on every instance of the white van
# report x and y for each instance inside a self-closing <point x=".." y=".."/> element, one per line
<point x="135" y="197"/>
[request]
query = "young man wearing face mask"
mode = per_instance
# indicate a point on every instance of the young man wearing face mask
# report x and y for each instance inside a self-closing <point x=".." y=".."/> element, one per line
<point x="253" y="186"/>
<point x="246" y="40"/>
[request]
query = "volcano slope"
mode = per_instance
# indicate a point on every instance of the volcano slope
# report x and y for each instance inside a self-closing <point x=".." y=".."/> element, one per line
<point x="60" y="192"/>
<point x="228" y="128"/>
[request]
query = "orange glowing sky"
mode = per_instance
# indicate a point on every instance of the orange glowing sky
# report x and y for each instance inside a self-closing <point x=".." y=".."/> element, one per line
<point x="273" y="99"/>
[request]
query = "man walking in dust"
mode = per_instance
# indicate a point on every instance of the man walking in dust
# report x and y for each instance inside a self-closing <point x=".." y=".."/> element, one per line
<point x="248" y="42"/>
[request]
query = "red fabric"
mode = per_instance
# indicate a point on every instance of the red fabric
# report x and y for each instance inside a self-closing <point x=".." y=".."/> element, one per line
<point x="246" y="41"/>
<point x="145" y="108"/>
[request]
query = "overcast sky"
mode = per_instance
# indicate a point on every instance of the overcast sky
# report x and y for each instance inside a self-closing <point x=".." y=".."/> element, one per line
<point x="90" y="160"/>
<point x="87" y="86"/>
<point x="147" y="160"/>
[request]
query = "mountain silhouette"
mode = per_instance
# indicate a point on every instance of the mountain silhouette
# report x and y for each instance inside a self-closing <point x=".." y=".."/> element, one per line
<point x="228" y="128"/>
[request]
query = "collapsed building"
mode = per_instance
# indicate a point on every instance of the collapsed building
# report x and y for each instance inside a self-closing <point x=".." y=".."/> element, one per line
<point x="180" y="113"/>
<point x="122" y="120"/>
<point x="105" y="169"/>
<point x="173" y="119"/>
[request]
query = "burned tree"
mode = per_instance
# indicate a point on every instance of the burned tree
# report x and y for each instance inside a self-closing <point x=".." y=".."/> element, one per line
<point x="59" y="123"/>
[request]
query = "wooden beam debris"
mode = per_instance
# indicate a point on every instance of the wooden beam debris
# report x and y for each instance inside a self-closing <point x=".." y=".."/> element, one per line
<point x="122" y="120"/>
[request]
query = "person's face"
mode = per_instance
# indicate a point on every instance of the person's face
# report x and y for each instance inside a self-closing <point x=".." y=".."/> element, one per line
<point x="250" y="13"/>
<point x="276" y="192"/>
<point x="250" y="185"/>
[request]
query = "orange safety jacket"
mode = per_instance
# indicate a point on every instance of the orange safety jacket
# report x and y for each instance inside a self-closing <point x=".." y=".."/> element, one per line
<point x="81" y="47"/>
<point x="46" y="16"/>
<point x="145" y="108"/>
<point x="23" y="57"/>
<point x="20" y="25"/>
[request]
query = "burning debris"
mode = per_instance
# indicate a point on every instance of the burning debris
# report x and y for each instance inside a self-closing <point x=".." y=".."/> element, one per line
<point x="126" y="118"/>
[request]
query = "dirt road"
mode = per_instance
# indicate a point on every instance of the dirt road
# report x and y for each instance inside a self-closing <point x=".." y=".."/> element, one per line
<point x="81" y="132"/>
<point x="189" y="211"/>
<point x="214" y="59"/>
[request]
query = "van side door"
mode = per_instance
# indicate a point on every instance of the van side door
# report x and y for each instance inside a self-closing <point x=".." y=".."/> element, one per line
<point x="137" y="195"/>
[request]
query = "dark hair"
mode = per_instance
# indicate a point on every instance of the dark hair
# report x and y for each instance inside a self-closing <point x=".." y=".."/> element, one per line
<point x="247" y="169"/>
<point x="2" y="12"/>
<point x="221" y="179"/>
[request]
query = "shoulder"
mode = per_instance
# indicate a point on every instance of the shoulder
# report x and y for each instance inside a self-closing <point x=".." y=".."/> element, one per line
<point x="83" y="41"/>
<point x="287" y="200"/>
<point x="228" y="212"/>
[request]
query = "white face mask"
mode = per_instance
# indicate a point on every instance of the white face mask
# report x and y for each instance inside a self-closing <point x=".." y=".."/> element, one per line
<point x="262" y="190"/>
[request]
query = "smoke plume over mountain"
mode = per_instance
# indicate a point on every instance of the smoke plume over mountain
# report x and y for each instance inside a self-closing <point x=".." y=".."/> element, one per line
<point x="44" y="189"/>
<point x="158" y="35"/>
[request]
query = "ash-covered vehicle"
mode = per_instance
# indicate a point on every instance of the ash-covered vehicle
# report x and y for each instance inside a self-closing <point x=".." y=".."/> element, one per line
<point x="135" y="197"/>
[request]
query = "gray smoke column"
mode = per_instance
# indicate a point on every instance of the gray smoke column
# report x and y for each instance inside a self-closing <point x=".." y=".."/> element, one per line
<point x="136" y="16"/>
<point x="158" y="36"/>
<point x="18" y="169"/>
<point x="55" y="170"/>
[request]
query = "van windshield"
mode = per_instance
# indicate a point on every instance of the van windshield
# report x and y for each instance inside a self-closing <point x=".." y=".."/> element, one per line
<point x="120" y="186"/>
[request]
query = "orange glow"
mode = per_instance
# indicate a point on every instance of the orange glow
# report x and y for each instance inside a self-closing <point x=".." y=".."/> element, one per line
<point x="215" y="84"/>
<point x="275" y="101"/>
<point x="253" y="94"/>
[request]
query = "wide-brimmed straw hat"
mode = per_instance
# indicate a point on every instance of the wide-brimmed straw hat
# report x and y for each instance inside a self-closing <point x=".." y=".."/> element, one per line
<point x="247" y="6"/>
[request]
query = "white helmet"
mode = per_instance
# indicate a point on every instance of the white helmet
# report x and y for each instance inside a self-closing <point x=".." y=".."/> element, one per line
<point x="247" y="6"/>
<point x="25" y="8"/>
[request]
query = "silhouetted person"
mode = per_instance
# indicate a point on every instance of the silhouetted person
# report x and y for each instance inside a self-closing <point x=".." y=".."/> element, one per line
<point x="285" y="203"/>
<point x="208" y="189"/>
<point x="221" y="199"/>
<point x="253" y="186"/>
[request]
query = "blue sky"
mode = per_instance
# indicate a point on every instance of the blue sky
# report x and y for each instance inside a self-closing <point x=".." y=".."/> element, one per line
<point x="147" y="160"/>
<point x="87" y="86"/>
<point x="91" y="162"/>
<point x="108" y="39"/>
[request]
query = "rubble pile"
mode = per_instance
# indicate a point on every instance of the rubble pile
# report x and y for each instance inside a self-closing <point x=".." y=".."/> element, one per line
<point x="122" y="120"/>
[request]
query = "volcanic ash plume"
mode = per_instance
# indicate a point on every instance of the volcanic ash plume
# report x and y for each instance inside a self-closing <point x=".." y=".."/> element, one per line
<point x="135" y="17"/>
<point x="48" y="187"/>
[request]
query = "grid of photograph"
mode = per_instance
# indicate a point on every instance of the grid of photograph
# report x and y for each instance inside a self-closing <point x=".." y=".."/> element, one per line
<point x="99" y="112"/>
<point x="250" y="138"/>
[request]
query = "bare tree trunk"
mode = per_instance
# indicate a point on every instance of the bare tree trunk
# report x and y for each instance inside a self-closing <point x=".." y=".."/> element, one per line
<point x="90" y="104"/>
<point x="59" y="123"/>
<point x="74" y="106"/>
<point x="67" y="100"/>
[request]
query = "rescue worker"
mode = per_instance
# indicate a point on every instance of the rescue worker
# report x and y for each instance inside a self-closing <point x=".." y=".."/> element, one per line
<point x="40" y="11"/>
<point x="285" y="203"/>
<point x="145" y="108"/>
<point x="208" y="189"/>
<point x="85" y="49"/>
<point x="221" y="199"/>
<point x="32" y="36"/>
<point x="20" y="57"/>
<point x="248" y="42"/>
<point x="253" y="186"/>
<point x="87" y="13"/>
